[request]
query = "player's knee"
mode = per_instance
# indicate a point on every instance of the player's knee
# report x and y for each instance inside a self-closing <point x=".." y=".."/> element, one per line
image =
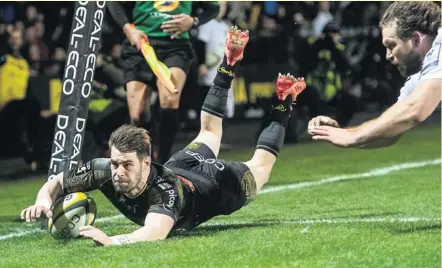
<point x="211" y="128"/>
<point x="259" y="167"/>
<point x="261" y="173"/>
<point x="135" y="88"/>
<point x="211" y="123"/>
<point x="171" y="101"/>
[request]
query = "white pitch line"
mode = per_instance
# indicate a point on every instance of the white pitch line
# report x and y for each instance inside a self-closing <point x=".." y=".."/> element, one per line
<point x="20" y="232"/>
<point x="369" y="174"/>
<point x="372" y="173"/>
<point x="331" y="221"/>
<point x="23" y="232"/>
<point x="109" y="218"/>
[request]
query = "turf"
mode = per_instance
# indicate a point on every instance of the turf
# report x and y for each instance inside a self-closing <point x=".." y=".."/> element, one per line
<point x="389" y="220"/>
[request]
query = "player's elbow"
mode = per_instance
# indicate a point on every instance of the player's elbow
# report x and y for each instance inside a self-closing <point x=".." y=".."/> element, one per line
<point x="419" y="113"/>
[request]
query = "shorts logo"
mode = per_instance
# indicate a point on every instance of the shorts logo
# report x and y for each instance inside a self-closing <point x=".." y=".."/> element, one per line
<point x="193" y="146"/>
<point x="166" y="6"/>
<point x="201" y="159"/>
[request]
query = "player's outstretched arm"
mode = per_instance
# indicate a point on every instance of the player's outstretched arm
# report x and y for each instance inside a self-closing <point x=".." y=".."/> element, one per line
<point x="322" y="120"/>
<point x="156" y="227"/>
<point x="46" y="196"/>
<point x="82" y="179"/>
<point x="399" y="118"/>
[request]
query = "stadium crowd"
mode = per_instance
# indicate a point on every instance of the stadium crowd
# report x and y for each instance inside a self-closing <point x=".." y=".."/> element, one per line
<point x="336" y="46"/>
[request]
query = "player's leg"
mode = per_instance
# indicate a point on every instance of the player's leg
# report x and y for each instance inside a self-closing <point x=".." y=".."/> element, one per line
<point x="137" y="78"/>
<point x="168" y="121"/>
<point x="138" y="94"/>
<point x="272" y="137"/>
<point x="214" y="106"/>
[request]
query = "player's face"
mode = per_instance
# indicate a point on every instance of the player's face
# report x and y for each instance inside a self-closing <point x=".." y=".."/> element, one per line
<point x="401" y="53"/>
<point x="126" y="170"/>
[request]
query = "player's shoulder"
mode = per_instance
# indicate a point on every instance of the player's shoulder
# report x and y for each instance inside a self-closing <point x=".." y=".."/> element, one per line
<point x="100" y="163"/>
<point x="164" y="178"/>
<point x="409" y="86"/>
<point x="165" y="187"/>
<point x="432" y="58"/>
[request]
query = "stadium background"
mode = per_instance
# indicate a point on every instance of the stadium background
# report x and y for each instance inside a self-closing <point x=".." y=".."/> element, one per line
<point x="357" y="84"/>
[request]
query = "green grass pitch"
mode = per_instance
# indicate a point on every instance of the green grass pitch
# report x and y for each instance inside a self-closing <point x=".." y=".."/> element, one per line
<point x="380" y="214"/>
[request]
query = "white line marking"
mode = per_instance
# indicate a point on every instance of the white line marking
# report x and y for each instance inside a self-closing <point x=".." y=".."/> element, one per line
<point x="109" y="218"/>
<point x="331" y="221"/>
<point x="369" y="174"/>
<point x="24" y="232"/>
<point x="19" y="233"/>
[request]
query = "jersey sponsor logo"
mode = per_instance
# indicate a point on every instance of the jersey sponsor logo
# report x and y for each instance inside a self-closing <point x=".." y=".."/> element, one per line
<point x="171" y="199"/>
<point x="218" y="165"/>
<point x="159" y="179"/>
<point x="166" y="6"/>
<point x="165" y="186"/>
<point x="84" y="169"/>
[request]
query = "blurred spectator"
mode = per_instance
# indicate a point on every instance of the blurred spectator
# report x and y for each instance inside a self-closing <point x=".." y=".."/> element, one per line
<point x="7" y="13"/>
<point x="324" y="16"/>
<point x="15" y="43"/>
<point x="14" y="70"/>
<point x="56" y="68"/>
<point x="31" y="16"/>
<point x="326" y="67"/>
<point x="36" y="35"/>
<point x="19" y="117"/>
<point x="35" y="61"/>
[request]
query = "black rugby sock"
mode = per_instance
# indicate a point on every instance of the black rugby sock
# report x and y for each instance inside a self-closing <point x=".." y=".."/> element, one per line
<point x="216" y="99"/>
<point x="167" y="129"/>
<point x="272" y="137"/>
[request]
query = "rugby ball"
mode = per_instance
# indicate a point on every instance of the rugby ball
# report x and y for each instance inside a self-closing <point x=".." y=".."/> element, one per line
<point x="70" y="213"/>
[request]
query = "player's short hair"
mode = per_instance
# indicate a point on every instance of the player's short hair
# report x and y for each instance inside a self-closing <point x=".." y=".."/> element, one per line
<point x="130" y="138"/>
<point x="412" y="16"/>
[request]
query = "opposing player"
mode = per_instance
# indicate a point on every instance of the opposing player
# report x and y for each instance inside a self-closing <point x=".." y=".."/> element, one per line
<point x="166" y="24"/>
<point x="412" y="35"/>
<point x="193" y="186"/>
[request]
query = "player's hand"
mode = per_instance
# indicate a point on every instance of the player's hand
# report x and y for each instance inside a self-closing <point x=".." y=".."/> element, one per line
<point x="35" y="211"/>
<point x="321" y="120"/>
<point x="337" y="136"/>
<point x="177" y="25"/>
<point x="134" y="35"/>
<point x="96" y="234"/>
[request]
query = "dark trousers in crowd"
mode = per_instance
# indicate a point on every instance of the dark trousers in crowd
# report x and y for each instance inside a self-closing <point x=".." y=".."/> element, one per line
<point x="19" y="127"/>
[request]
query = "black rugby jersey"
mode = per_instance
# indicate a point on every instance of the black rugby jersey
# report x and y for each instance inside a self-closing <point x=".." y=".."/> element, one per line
<point x="164" y="192"/>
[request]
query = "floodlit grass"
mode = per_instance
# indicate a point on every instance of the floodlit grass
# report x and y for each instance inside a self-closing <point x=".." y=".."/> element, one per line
<point x="389" y="220"/>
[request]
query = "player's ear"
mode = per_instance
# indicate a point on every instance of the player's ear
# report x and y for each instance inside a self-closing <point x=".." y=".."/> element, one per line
<point x="146" y="162"/>
<point x="416" y="38"/>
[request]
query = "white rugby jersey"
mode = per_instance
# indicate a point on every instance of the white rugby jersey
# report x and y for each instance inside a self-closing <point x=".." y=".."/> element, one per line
<point x="430" y="68"/>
